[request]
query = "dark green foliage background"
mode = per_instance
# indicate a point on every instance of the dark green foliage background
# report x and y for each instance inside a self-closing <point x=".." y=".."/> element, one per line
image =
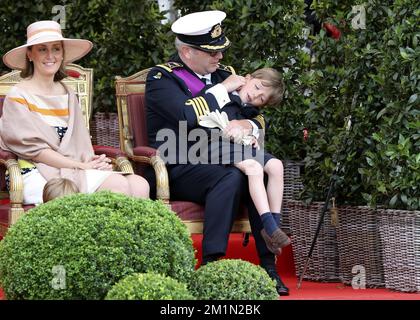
<point x="378" y="68"/>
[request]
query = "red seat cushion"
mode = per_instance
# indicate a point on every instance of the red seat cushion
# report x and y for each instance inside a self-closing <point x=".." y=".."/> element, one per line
<point x="190" y="211"/>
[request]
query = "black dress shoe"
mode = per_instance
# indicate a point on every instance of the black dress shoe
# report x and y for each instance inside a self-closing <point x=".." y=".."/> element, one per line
<point x="280" y="286"/>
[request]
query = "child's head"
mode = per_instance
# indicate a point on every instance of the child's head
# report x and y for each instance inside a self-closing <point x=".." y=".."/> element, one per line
<point x="58" y="187"/>
<point x="264" y="87"/>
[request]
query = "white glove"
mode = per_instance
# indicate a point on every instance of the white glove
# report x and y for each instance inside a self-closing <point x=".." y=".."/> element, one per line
<point x="214" y="119"/>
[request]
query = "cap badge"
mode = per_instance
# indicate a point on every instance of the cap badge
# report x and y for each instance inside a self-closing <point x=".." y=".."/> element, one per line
<point x="217" y="31"/>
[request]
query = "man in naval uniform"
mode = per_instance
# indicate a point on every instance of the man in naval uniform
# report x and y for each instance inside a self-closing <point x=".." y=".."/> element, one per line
<point x="178" y="92"/>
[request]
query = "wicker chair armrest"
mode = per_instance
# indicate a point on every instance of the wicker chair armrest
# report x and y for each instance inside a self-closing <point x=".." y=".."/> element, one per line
<point x="149" y="156"/>
<point x="16" y="181"/>
<point x="145" y="152"/>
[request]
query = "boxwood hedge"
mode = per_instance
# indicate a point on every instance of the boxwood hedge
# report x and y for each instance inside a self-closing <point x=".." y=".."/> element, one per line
<point x="77" y="247"/>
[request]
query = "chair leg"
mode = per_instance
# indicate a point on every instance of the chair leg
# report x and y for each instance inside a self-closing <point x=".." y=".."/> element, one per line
<point x="14" y="214"/>
<point x="246" y="239"/>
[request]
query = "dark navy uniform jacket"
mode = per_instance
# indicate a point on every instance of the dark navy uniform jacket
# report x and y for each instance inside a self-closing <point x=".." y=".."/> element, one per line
<point x="169" y="101"/>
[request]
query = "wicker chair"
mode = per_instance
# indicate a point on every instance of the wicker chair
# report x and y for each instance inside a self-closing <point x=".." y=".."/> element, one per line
<point x="11" y="201"/>
<point x="131" y="105"/>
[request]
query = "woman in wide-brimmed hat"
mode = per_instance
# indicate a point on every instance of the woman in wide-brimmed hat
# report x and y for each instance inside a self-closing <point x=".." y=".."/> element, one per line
<point x="43" y="124"/>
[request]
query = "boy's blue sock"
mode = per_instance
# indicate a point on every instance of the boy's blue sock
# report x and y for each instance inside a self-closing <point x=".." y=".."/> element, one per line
<point x="268" y="222"/>
<point x="277" y="218"/>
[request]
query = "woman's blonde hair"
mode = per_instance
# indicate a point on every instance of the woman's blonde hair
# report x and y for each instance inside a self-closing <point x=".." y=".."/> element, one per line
<point x="271" y="78"/>
<point x="58" y="187"/>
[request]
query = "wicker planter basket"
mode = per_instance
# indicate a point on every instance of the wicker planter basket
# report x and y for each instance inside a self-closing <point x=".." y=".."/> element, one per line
<point x="104" y="129"/>
<point x="359" y="244"/>
<point x="323" y="265"/>
<point x="400" y="235"/>
<point x="292" y="187"/>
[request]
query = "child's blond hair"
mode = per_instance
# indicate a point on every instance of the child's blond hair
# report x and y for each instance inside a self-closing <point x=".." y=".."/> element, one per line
<point x="271" y="78"/>
<point x="58" y="187"/>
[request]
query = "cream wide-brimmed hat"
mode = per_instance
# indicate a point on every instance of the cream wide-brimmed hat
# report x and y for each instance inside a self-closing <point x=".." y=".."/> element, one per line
<point x="43" y="32"/>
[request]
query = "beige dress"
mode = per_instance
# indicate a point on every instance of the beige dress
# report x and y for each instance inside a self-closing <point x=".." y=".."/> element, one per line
<point x="55" y="112"/>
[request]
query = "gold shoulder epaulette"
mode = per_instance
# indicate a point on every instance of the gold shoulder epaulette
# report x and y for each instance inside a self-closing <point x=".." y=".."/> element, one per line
<point x="227" y="68"/>
<point x="170" y="65"/>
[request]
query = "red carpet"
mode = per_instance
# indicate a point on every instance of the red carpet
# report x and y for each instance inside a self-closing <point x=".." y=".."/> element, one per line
<point x="236" y="250"/>
<point x="309" y="290"/>
<point x="337" y="291"/>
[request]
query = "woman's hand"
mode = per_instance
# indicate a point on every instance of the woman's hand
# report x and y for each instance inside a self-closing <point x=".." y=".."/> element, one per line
<point x="233" y="82"/>
<point x="99" y="162"/>
<point x="54" y="159"/>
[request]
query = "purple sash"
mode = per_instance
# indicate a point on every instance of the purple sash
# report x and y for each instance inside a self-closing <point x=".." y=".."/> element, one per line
<point x="193" y="83"/>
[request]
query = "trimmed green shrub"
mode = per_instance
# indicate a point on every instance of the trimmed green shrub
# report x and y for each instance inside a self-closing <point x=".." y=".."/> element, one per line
<point x="77" y="247"/>
<point x="148" y="286"/>
<point x="232" y="280"/>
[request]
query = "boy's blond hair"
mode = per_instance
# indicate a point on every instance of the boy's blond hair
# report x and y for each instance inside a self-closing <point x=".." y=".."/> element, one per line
<point x="58" y="187"/>
<point x="271" y="78"/>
